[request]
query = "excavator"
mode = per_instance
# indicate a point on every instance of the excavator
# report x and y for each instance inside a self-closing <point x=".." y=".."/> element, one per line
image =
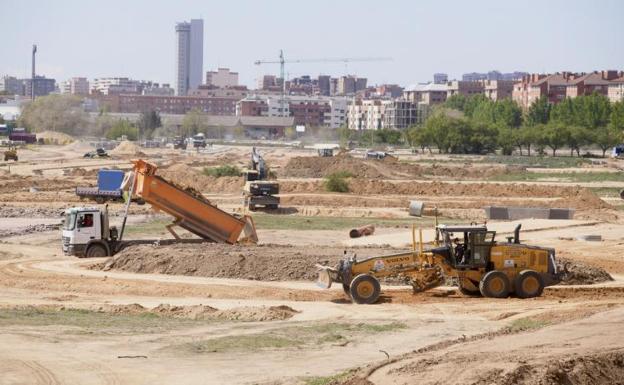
<point x="87" y="232"/>
<point x="469" y="255"/>
<point x="257" y="190"/>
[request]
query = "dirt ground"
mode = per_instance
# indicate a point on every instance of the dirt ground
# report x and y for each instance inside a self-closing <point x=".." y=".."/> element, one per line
<point x="223" y="314"/>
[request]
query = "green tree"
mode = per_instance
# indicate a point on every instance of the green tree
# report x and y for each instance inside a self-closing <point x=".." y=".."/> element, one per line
<point x="616" y="120"/>
<point x="592" y="111"/>
<point x="577" y="137"/>
<point x="526" y="136"/>
<point x="472" y="102"/>
<point x="539" y="112"/>
<point x="194" y="121"/>
<point x="607" y="137"/>
<point x="62" y="113"/>
<point x="507" y="140"/>
<point x="456" y="102"/>
<point x="148" y="122"/>
<point x="555" y="136"/>
<point x="122" y="127"/>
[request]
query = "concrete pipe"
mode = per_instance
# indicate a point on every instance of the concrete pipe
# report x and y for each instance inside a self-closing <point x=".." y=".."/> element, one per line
<point x="416" y="208"/>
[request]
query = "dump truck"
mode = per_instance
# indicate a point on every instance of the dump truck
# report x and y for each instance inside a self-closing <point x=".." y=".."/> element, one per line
<point x="257" y="190"/>
<point x="10" y="153"/>
<point x="468" y="255"/>
<point x="87" y="230"/>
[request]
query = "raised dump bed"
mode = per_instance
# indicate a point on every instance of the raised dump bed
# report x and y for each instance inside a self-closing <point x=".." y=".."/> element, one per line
<point x="190" y="211"/>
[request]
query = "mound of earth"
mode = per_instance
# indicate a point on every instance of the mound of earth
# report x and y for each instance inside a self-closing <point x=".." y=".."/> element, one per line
<point x="318" y="167"/>
<point x="256" y="262"/>
<point x="184" y="175"/>
<point x="583" y="199"/>
<point x="53" y="137"/>
<point x="16" y="183"/>
<point x="126" y="147"/>
<point x="578" y="273"/>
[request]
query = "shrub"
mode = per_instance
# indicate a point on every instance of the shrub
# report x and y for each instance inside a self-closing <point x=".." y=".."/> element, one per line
<point x="227" y="170"/>
<point x="336" y="182"/>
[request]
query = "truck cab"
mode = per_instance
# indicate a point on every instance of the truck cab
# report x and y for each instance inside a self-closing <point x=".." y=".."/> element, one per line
<point x="86" y="232"/>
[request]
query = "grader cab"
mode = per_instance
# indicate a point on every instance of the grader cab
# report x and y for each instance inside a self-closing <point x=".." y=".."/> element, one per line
<point x="468" y="255"/>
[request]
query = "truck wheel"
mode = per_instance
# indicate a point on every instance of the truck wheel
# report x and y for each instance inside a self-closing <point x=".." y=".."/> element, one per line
<point x="96" y="251"/>
<point x="494" y="284"/>
<point x="346" y="289"/>
<point x="529" y="284"/>
<point x="468" y="292"/>
<point x="365" y="289"/>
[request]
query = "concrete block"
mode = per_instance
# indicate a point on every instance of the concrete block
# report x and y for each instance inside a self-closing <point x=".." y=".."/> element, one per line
<point x="493" y="212"/>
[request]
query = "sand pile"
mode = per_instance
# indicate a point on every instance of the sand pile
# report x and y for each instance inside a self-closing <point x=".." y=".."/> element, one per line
<point x="53" y="137"/>
<point x="578" y="273"/>
<point x="126" y="148"/>
<point x="258" y="262"/>
<point x="17" y="183"/>
<point x="318" y="167"/>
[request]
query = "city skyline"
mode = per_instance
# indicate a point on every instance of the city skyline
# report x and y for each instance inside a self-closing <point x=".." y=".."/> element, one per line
<point x="122" y="44"/>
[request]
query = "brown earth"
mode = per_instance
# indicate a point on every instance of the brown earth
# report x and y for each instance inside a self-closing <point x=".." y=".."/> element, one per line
<point x="579" y="273"/>
<point x="185" y="175"/>
<point x="17" y="183"/>
<point x="260" y="262"/>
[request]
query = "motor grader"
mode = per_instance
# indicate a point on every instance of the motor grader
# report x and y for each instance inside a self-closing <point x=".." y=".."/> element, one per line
<point x="487" y="267"/>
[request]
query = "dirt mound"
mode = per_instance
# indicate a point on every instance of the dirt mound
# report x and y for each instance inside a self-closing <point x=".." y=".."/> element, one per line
<point x="53" y="137"/>
<point x="79" y="171"/>
<point x="578" y="273"/>
<point x="259" y="262"/>
<point x="184" y="175"/>
<point x="126" y="148"/>
<point x="17" y="183"/>
<point x="317" y="167"/>
<point x="247" y="313"/>
<point x="583" y="199"/>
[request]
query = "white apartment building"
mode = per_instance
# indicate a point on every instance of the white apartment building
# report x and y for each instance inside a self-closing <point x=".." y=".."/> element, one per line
<point x="222" y="78"/>
<point x="189" y="55"/>
<point x="367" y="114"/>
<point x="616" y="91"/>
<point x="111" y="86"/>
<point x="64" y="87"/>
<point x="338" y="115"/>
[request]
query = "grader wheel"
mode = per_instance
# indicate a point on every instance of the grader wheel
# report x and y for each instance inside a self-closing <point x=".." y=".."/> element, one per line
<point x="365" y="289"/>
<point x="529" y="284"/>
<point x="494" y="284"/>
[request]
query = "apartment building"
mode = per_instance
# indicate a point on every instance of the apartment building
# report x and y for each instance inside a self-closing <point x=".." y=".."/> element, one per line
<point x="427" y="94"/>
<point x="43" y="86"/>
<point x="366" y="114"/>
<point x="465" y="88"/>
<point x="11" y="85"/>
<point x="440" y="78"/>
<point x="615" y="92"/>
<point x="498" y="89"/>
<point x="222" y="78"/>
<point x="400" y="114"/>
<point x="350" y="84"/>
<point x="78" y="86"/>
<point x="587" y="84"/>
<point x="115" y="86"/>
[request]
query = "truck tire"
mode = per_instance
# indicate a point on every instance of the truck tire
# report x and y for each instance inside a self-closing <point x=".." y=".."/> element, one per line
<point x="494" y="284"/>
<point x="346" y="289"/>
<point x="96" y="251"/>
<point x="529" y="284"/>
<point x="365" y="289"/>
<point x="467" y="290"/>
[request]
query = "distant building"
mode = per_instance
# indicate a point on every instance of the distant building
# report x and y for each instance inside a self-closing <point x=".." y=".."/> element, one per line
<point x="235" y="92"/>
<point x="176" y="105"/>
<point x="189" y="55"/>
<point x="400" y="114"/>
<point x="616" y="90"/>
<point x="154" y="89"/>
<point x="350" y="84"/>
<point x="324" y="85"/>
<point x="595" y="82"/>
<point x="78" y="86"/>
<point x="11" y="85"/>
<point x="43" y="86"/>
<point x="222" y="78"/>
<point x="115" y="86"/>
<point x="389" y="90"/>
<point x="65" y="87"/>
<point x="493" y="75"/>
<point x="465" y="88"/>
<point x="366" y="114"/>
<point x="498" y="89"/>
<point x="440" y="78"/>
<point x="268" y="83"/>
<point x="474" y="77"/>
<point x="427" y="94"/>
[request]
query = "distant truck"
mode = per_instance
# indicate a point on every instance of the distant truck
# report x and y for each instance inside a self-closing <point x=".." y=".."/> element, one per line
<point x="179" y="143"/>
<point x="198" y="141"/>
<point x="25" y="137"/>
<point x="109" y="188"/>
<point x="618" y="151"/>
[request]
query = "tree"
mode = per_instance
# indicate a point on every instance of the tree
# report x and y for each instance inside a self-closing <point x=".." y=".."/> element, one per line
<point x="148" y="122"/>
<point x="539" y="112"/>
<point x="555" y="136"/>
<point x="194" y="121"/>
<point x="577" y="137"/>
<point x="526" y="136"/>
<point x="456" y="102"/>
<point x="472" y="102"/>
<point x="62" y="113"/>
<point x="607" y="137"/>
<point x="122" y="127"/>
<point x="592" y="111"/>
<point x="616" y="120"/>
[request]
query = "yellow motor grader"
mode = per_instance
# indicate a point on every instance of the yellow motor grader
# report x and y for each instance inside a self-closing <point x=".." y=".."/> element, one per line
<point x="486" y="267"/>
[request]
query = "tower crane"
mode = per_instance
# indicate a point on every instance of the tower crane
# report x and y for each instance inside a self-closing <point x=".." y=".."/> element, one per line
<point x="283" y="61"/>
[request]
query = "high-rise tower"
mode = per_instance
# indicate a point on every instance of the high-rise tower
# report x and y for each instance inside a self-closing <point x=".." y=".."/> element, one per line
<point x="189" y="55"/>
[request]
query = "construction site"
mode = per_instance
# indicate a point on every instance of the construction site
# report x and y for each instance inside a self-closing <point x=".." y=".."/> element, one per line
<point x="419" y="268"/>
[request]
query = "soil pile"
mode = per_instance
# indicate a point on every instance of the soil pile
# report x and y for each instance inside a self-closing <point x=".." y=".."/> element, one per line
<point x="578" y="273"/>
<point x="126" y="148"/>
<point x="17" y="183"/>
<point x="79" y="171"/>
<point x="583" y="199"/>
<point x="186" y="176"/>
<point x="260" y="262"/>
<point x="53" y="137"/>
<point x="318" y="167"/>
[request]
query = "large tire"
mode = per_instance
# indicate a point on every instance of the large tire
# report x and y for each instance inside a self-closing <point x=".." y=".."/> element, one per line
<point x="494" y="284"/>
<point x="365" y="289"/>
<point x="96" y="251"/>
<point x="529" y="284"/>
<point x="468" y="292"/>
<point x="346" y="288"/>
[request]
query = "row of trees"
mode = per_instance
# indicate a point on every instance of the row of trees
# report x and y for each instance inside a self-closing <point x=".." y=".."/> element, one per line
<point x="477" y="124"/>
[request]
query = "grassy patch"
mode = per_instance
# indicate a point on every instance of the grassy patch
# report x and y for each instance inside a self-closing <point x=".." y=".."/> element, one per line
<point x="288" y="337"/>
<point x="524" y="324"/>
<point x="80" y="321"/>
<point x="576" y="177"/>
<point x="226" y="170"/>
<point x="328" y="379"/>
<point x="535" y="161"/>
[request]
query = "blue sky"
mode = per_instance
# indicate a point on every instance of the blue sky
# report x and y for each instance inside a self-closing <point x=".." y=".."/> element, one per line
<point x="137" y="38"/>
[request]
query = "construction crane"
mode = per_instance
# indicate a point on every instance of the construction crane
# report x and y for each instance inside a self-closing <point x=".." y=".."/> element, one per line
<point x="283" y="61"/>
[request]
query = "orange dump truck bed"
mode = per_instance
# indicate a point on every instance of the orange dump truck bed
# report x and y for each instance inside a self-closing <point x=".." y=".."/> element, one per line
<point x="191" y="213"/>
